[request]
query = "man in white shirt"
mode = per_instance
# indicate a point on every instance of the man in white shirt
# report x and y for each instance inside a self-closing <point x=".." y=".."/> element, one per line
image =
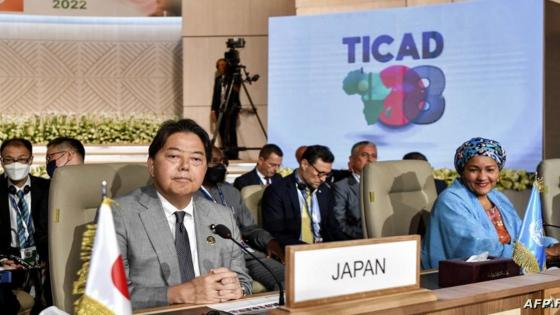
<point x="264" y="173"/>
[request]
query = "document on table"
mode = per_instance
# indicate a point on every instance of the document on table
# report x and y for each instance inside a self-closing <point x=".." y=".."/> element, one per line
<point x="248" y="305"/>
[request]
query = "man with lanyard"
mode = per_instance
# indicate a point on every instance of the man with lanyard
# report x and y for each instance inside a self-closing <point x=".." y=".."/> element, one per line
<point x="255" y="239"/>
<point x="298" y="208"/>
<point x="23" y="216"/>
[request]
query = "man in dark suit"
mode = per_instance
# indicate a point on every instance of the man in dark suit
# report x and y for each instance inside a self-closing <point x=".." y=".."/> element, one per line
<point x="24" y="210"/>
<point x="270" y="159"/>
<point x="347" y="209"/>
<point x="298" y="208"/>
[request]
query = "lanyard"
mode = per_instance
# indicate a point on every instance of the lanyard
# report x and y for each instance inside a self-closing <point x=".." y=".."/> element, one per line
<point x="211" y="198"/>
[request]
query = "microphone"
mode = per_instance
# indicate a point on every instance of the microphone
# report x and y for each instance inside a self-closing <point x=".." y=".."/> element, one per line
<point x="224" y="232"/>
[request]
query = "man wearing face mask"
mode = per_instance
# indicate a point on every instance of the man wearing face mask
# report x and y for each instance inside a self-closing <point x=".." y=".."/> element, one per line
<point x="256" y="239"/>
<point x="24" y="210"/>
<point x="64" y="151"/>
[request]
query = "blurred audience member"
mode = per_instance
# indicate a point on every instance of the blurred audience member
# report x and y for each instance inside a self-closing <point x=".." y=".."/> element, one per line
<point x="23" y="218"/>
<point x="440" y="184"/>
<point x="347" y="191"/>
<point x="298" y="208"/>
<point x="264" y="173"/>
<point x="256" y="239"/>
<point x="64" y="151"/>
<point x="226" y="90"/>
<point x="299" y="153"/>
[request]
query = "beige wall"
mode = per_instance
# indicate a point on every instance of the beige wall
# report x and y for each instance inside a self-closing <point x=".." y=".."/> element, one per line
<point x="308" y="7"/>
<point x="103" y="67"/>
<point x="206" y="27"/>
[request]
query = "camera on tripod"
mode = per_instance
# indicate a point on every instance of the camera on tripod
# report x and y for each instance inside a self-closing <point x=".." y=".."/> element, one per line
<point x="232" y="55"/>
<point x="228" y="86"/>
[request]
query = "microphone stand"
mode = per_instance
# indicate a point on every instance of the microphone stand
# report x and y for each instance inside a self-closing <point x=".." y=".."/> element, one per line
<point x="280" y="287"/>
<point x="219" y="229"/>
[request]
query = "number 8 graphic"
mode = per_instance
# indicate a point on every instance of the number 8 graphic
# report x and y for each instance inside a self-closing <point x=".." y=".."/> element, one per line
<point x="429" y="107"/>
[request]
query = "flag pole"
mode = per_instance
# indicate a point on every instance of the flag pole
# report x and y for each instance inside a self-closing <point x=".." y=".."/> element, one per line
<point x="103" y="189"/>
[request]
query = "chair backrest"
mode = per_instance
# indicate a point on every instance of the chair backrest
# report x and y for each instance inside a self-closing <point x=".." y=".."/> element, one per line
<point x="396" y="197"/>
<point x="550" y="198"/>
<point x="75" y="194"/>
<point x="252" y="197"/>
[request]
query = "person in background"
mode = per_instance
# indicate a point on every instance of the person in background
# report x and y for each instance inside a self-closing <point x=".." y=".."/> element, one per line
<point x="335" y="174"/>
<point x="347" y="210"/>
<point x="471" y="216"/>
<point x="23" y="215"/>
<point x="297" y="209"/>
<point x="64" y="151"/>
<point x="264" y="173"/>
<point x="299" y="153"/>
<point x="440" y="184"/>
<point x="230" y="111"/>
<point x="256" y="239"/>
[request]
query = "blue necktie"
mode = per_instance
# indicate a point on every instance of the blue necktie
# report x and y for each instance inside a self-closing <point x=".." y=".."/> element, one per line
<point x="24" y="216"/>
<point x="183" y="248"/>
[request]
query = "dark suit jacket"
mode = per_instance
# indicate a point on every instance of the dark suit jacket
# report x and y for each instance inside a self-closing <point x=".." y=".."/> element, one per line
<point x="39" y="213"/>
<point x="347" y="209"/>
<point x="281" y="212"/>
<point x="440" y="185"/>
<point x="252" y="178"/>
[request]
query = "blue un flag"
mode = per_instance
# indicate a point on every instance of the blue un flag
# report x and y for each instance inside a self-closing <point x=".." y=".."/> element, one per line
<point x="529" y="251"/>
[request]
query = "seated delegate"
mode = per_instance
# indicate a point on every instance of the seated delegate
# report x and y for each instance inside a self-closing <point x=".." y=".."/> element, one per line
<point x="471" y="216"/>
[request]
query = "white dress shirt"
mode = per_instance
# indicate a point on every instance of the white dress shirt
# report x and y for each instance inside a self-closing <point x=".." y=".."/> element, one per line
<point x="188" y="222"/>
<point x="261" y="176"/>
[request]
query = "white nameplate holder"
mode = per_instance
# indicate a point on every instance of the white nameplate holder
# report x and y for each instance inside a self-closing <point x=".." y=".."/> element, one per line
<point x="337" y="271"/>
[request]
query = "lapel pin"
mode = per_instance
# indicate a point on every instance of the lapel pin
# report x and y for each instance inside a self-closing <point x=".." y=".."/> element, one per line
<point x="211" y="240"/>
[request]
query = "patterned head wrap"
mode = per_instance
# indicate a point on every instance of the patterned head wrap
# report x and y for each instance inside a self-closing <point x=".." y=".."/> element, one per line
<point x="479" y="147"/>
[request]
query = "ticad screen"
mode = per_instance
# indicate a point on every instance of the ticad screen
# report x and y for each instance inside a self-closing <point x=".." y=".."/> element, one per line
<point x="421" y="78"/>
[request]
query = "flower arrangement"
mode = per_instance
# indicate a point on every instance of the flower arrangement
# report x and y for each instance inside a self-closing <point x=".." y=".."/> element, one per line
<point x="90" y="129"/>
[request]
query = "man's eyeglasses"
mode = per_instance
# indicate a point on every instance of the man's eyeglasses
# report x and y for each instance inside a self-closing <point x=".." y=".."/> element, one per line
<point x="319" y="173"/>
<point x="368" y="155"/>
<point x="55" y="155"/>
<point x="9" y="160"/>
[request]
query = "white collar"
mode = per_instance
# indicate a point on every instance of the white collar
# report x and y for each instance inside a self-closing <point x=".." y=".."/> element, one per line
<point x="169" y="209"/>
<point x="356" y="176"/>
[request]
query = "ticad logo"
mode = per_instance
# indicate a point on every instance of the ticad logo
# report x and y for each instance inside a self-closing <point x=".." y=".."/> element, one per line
<point x="398" y="95"/>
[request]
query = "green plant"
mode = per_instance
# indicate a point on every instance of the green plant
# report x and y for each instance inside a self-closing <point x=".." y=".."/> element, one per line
<point x="90" y="129"/>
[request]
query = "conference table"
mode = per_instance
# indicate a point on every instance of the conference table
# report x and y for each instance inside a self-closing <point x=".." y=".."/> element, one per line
<point x="502" y="296"/>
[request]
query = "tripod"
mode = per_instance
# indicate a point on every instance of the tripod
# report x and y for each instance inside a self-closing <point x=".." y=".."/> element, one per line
<point x="233" y="81"/>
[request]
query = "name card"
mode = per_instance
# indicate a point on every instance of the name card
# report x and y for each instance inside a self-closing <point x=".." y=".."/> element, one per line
<point x="339" y="270"/>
